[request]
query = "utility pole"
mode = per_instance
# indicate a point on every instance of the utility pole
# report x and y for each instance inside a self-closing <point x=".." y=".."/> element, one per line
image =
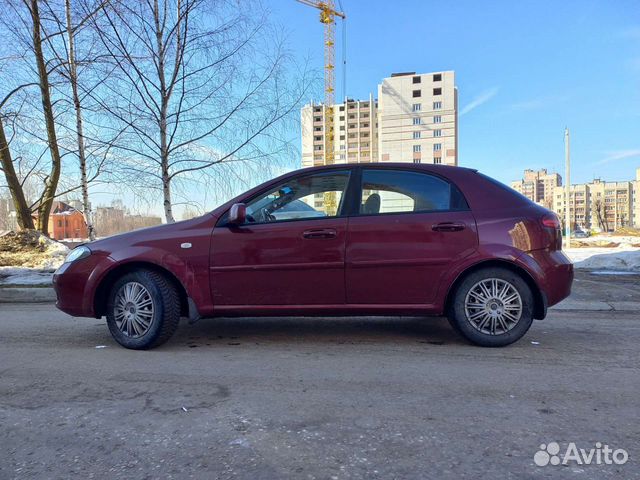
<point x="567" y="188"/>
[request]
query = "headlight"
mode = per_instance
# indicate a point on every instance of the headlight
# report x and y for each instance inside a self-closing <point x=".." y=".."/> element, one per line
<point x="77" y="253"/>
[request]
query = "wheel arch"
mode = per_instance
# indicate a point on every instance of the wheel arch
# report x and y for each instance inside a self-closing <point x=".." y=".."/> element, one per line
<point x="104" y="287"/>
<point x="540" y="304"/>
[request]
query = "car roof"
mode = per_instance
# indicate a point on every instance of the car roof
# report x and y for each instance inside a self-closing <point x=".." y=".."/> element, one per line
<point x="429" y="167"/>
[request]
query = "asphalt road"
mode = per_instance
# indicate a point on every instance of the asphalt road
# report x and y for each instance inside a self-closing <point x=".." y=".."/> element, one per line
<point x="314" y="398"/>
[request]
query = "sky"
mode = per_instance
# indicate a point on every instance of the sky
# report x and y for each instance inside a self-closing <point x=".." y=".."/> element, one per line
<point x="524" y="71"/>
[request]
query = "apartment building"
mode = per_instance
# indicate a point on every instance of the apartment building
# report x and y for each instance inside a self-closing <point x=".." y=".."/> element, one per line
<point x="414" y="119"/>
<point x="354" y="130"/>
<point x="418" y="118"/>
<point x="597" y="205"/>
<point x="600" y="205"/>
<point x="538" y="186"/>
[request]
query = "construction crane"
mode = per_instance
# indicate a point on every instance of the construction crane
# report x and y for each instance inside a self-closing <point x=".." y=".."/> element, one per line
<point x="328" y="13"/>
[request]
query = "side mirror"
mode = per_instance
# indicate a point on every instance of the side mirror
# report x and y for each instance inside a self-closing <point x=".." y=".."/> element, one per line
<point x="237" y="214"/>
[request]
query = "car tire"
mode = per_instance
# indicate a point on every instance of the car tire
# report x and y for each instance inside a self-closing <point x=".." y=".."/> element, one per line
<point x="492" y="307"/>
<point x="143" y="310"/>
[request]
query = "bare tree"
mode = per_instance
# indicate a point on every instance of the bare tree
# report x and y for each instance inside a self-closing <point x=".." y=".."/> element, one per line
<point x="23" y="212"/>
<point x="194" y="84"/>
<point x="51" y="182"/>
<point x="603" y="223"/>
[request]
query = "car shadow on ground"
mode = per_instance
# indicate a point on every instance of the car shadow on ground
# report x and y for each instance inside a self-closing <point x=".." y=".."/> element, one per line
<point x="315" y="330"/>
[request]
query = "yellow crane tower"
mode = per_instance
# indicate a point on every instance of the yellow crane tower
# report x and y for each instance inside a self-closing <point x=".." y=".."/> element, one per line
<point x="327" y="17"/>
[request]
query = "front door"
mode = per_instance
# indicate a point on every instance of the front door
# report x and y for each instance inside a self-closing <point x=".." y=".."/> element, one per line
<point x="411" y="228"/>
<point x="291" y="249"/>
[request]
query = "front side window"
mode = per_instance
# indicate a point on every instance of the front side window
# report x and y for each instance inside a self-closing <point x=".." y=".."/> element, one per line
<point x="309" y="197"/>
<point x="396" y="191"/>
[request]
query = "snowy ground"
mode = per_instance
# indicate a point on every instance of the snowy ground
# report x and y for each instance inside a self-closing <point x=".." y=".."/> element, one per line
<point x="41" y="272"/>
<point x="620" y="258"/>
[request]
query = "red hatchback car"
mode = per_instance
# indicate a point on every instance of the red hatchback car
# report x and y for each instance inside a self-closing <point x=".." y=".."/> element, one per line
<point x="368" y="239"/>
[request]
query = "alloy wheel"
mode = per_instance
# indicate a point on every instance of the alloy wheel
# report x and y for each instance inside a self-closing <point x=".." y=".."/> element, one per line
<point x="133" y="309"/>
<point x="493" y="306"/>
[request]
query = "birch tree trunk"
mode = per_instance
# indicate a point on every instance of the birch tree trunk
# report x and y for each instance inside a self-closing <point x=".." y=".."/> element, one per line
<point x="51" y="182"/>
<point x="73" y="79"/>
<point x="23" y="213"/>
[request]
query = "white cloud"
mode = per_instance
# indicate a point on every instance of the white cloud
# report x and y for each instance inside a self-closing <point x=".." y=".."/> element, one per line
<point x="484" y="97"/>
<point x="620" y="155"/>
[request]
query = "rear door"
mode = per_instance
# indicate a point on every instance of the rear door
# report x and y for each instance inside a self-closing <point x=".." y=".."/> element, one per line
<point x="409" y="229"/>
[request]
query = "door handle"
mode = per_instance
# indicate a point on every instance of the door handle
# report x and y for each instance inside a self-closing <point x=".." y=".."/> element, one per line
<point x="319" y="233"/>
<point x="448" y="227"/>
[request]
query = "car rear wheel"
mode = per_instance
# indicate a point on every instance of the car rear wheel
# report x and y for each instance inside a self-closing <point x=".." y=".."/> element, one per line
<point x="143" y="310"/>
<point x="492" y="307"/>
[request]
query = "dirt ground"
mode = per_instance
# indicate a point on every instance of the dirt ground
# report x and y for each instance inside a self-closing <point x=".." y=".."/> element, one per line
<point x="29" y="249"/>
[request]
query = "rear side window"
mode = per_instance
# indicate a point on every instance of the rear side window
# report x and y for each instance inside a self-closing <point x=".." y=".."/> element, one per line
<point x="397" y="191"/>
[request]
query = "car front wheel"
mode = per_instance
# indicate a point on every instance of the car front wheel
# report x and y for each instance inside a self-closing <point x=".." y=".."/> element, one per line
<point x="492" y="307"/>
<point x="143" y="310"/>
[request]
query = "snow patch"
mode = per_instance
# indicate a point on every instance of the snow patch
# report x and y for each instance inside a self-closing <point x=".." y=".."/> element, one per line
<point x="623" y="258"/>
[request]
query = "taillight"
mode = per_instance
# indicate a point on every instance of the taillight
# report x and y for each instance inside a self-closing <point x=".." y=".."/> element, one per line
<point x="552" y="223"/>
<point x="551" y="220"/>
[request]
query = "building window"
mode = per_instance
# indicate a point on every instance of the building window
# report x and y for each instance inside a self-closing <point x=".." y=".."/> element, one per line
<point x="342" y="108"/>
<point x="417" y="149"/>
<point x="317" y="147"/>
<point x="416" y="135"/>
<point x="437" y="77"/>
<point x="317" y="138"/>
<point x="317" y="109"/>
<point x="417" y="93"/>
<point x="437" y="105"/>
<point x="416" y="160"/>
<point x="342" y="118"/>
<point x="437" y="133"/>
<point x="437" y="119"/>
<point x="317" y="129"/>
<point x="437" y="91"/>
<point x="437" y="147"/>
<point x="437" y="160"/>
<point x="417" y="121"/>
<point x="417" y="79"/>
<point x="417" y="107"/>
<point x="341" y="137"/>
<point x="317" y="119"/>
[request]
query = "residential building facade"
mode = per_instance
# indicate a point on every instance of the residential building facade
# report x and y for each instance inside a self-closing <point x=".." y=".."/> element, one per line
<point x="538" y="186"/>
<point x="600" y="205"/>
<point x="418" y="118"/>
<point x="414" y="119"/>
<point x="355" y="132"/>
<point x="65" y="222"/>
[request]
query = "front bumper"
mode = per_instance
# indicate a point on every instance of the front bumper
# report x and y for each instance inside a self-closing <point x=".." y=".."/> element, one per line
<point x="73" y="286"/>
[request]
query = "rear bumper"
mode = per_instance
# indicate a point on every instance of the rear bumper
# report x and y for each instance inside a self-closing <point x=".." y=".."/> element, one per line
<point x="557" y="275"/>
